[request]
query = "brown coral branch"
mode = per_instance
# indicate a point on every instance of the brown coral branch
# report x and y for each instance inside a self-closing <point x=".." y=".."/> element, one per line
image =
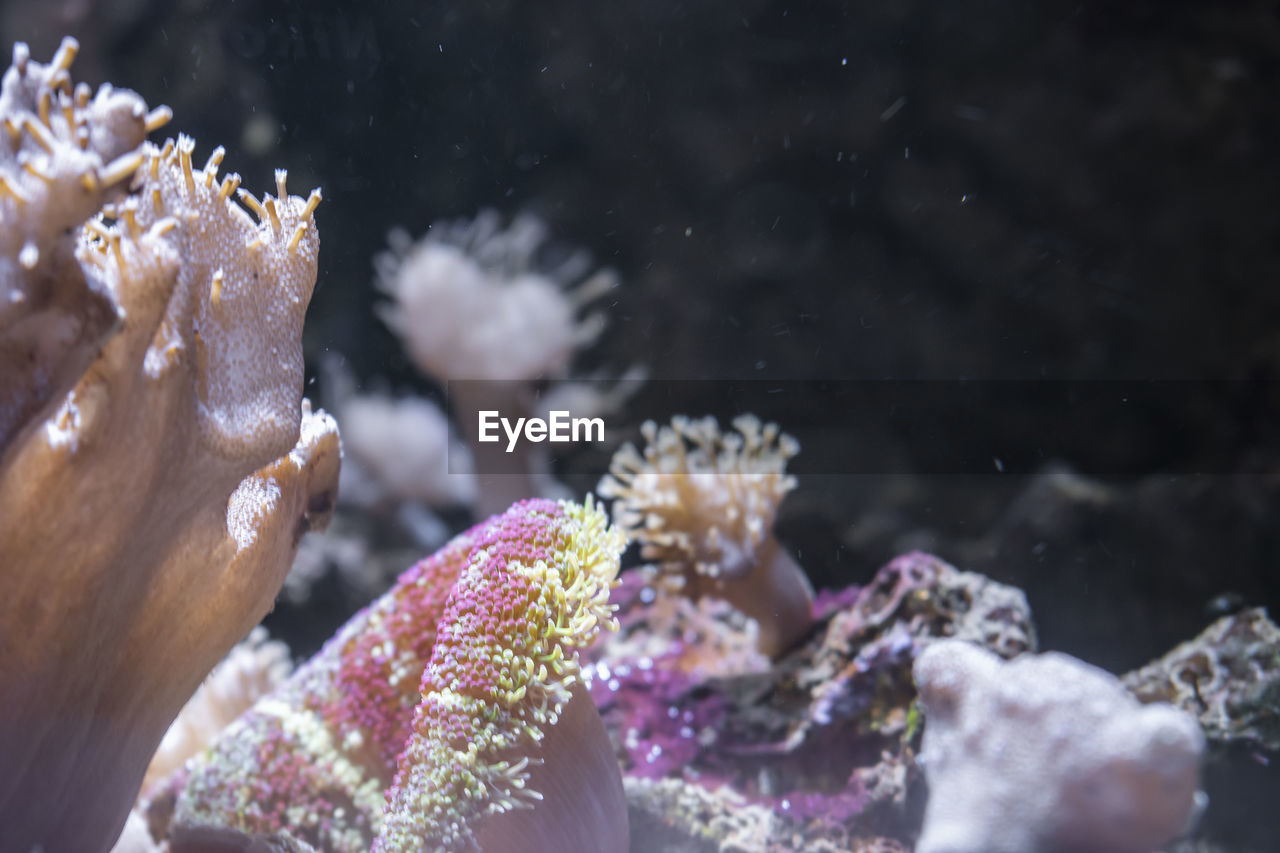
<point x="148" y="514"/>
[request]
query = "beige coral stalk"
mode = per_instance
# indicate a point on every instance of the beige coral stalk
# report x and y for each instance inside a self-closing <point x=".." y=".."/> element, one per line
<point x="702" y="503"/>
<point x="148" y="514"/>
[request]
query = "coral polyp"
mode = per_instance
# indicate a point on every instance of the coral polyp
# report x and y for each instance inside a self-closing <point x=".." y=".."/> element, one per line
<point x="438" y="716"/>
<point x="702" y="503"/>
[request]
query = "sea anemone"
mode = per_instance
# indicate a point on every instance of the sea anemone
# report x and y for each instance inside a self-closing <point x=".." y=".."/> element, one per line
<point x="448" y="715"/>
<point x="702" y="503"/>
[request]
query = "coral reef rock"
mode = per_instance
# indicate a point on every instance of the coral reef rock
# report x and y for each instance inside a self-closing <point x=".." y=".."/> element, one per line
<point x="1229" y="678"/>
<point x="816" y="750"/>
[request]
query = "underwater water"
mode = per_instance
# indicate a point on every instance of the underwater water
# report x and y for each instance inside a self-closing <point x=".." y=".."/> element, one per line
<point x="1004" y="275"/>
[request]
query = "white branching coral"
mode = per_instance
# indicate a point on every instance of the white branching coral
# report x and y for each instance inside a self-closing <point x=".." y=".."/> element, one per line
<point x="1046" y="754"/>
<point x="157" y="461"/>
<point x="481" y="308"/>
<point x="702" y="504"/>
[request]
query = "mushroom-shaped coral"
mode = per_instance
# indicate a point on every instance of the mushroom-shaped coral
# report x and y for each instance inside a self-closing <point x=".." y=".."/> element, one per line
<point x="148" y="514"/>
<point x="1046" y="754"/>
<point x="702" y="503"/>
<point x="476" y="306"/>
<point x="448" y="715"/>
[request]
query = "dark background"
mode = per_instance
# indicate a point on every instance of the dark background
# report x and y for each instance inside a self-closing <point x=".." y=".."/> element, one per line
<point x="799" y="191"/>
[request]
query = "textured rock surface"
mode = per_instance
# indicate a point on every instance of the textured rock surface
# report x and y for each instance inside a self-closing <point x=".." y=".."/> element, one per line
<point x="1229" y="677"/>
<point x="822" y="741"/>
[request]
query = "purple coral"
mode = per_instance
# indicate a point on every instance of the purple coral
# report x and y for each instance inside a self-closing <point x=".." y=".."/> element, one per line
<point x="447" y="715"/>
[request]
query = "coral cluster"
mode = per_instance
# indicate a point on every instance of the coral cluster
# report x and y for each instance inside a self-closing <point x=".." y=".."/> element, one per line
<point x="448" y="714"/>
<point x="702" y="503"/>
<point x="1046" y="753"/>
<point x="156" y="455"/>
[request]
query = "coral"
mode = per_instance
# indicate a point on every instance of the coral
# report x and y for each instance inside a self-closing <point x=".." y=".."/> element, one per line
<point x="476" y="306"/>
<point x="674" y="816"/>
<point x="404" y="471"/>
<point x="66" y="153"/>
<point x="470" y="300"/>
<point x="933" y="600"/>
<point x="706" y="638"/>
<point x="663" y="723"/>
<point x="447" y="715"/>
<point x="255" y="667"/>
<point x="404" y="453"/>
<point x="702" y="503"/>
<point x="159" y="463"/>
<point x="1047" y="753"/>
<point x="832" y="736"/>
<point x="825" y="737"/>
<point x="645" y="678"/>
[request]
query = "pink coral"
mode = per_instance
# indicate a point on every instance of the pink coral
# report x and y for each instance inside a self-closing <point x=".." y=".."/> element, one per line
<point x="447" y="715"/>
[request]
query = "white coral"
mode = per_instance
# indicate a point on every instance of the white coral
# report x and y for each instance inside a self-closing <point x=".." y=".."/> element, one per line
<point x="475" y="301"/>
<point x="397" y="449"/>
<point x="472" y="302"/>
<point x="1047" y="753"/>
